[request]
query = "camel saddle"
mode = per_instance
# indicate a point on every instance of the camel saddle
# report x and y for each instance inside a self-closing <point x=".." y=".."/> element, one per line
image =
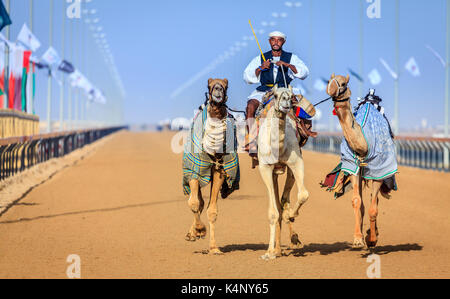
<point x="304" y="126"/>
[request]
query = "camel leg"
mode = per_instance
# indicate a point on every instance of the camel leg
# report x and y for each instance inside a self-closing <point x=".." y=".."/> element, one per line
<point x="274" y="216"/>
<point x="196" y="204"/>
<point x="372" y="234"/>
<point x="218" y="180"/>
<point x="358" y="207"/>
<point x="279" y="222"/>
<point x="285" y="204"/>
<point x="298" y="169"/>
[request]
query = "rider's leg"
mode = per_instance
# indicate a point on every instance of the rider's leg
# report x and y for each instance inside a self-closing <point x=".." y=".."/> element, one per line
<point x="251" y="142"/>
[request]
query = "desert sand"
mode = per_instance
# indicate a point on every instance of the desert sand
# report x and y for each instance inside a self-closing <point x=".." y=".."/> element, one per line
<point x="122" y="210"/>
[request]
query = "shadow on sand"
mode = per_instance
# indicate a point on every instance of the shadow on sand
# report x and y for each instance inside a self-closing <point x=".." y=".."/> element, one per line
<point x="325" y="249"/>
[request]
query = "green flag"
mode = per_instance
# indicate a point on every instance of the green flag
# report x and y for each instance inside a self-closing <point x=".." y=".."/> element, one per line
<point x="4" y="17"/>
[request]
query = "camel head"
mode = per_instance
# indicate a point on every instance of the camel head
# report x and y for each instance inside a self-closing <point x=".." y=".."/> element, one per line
<point x="283" y="99"/>
<point x="218" y="91"/>
<point x="338" y="87"/>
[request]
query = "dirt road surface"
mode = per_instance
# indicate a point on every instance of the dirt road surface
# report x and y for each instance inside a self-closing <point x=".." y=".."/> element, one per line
<point x="122" y="211"/>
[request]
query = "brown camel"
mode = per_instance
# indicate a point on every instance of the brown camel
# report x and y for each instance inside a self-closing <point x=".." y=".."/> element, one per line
<point x="339" y="91"/>
<point x="212" y="157"/>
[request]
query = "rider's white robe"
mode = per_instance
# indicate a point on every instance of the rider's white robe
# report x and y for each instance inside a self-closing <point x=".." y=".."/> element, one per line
<point x="251" y="78"/>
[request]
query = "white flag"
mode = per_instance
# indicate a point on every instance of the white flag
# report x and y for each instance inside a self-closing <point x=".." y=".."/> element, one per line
<point x="375" y="77"/>
<point x="27" y="38"/>
<point x="388" y="68"/>
<point x="319" y="85"/>
<point x="412" y="67"/>
<point x="51" y="57"/>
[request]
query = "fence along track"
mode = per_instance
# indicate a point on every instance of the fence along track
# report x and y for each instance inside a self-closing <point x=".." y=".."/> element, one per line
<point x="426" y="153"/>
<point x="20" y="153"/>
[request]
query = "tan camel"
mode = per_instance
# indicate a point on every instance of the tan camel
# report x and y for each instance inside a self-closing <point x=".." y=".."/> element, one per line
<point x="278" y="145"/>
<point x="339" y="91"/>
<point x="216" y="159"/>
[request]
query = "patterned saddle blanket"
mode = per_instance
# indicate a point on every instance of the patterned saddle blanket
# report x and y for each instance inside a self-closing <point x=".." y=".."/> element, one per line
<point x="198" y="164"/>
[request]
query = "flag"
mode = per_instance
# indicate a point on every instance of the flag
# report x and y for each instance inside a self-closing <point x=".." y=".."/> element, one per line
<point x="25" y="71"/>
<point x="66" y="67"/>
<point x="374" y="77"/>
<point x="16" y="58"/>
<point x="436" y="54"/>
<point x="27" y="38"/>
<point x="2" y="74"/>
<point x="320" y="85"/>
<point x="51" y="57"/>
<point x="356" y="75"/>
<point x="412" y="67"/>
<point x="388" y="68"/>
<point x="5" y="20"/>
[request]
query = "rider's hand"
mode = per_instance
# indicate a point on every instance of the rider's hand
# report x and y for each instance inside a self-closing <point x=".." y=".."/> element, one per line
<point x="282" y="63"/>
<point x="266" y="65"/>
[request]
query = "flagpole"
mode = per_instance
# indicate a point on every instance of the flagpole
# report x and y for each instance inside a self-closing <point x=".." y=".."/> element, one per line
<point x="6" y="81"/>
<point x="69" y="88"/>
<point x="30" y="90"/>
<point x="63" y="48"/>
<point x="332" y="54"/>
<point x="397" y="66"/>
<point x="447" y="76"/>
<point x="49" y="86"/>
<point x="361" y="47"/>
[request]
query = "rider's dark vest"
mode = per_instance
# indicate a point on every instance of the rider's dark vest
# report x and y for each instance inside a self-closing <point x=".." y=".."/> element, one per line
<point x="267" y="80"/>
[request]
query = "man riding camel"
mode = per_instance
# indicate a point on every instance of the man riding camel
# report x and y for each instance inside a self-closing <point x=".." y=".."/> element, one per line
<point x="268" y="73"/>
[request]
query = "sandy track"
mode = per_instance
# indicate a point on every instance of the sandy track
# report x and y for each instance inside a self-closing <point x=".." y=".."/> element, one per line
<point x="123" y="212"/>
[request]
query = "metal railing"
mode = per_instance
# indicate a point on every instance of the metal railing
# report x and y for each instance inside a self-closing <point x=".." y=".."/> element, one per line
<point x="18" y="154"/>
<point x="426" y="153"/>
<point x="15" y="123"/>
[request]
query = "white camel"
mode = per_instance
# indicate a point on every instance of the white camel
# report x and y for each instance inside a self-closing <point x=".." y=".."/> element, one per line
<point x="278" y="145"/>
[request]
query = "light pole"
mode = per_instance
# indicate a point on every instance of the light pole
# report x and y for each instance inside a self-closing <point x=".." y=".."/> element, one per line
<point x="397" y="67"/>
<point x="361" y="47"/>
<point x="447" y="75"/>
<point x="8" y="33"/>
<point x="294" y="6"/>
<point x="311" y="37"/>
<point x="49" y="86"/>
<point x="63" y="83"/>
<point x="30" y="86"/>
<point x="333" y="50"/>
<point x="69" y="95"/>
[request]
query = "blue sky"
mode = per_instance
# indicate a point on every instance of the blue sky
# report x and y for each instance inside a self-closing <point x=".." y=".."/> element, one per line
<point x="160" y="45"/>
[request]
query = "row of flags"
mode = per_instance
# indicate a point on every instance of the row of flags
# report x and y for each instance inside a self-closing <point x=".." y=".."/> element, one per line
<point x="374" y="75"/>
<point x="20" y="78"/>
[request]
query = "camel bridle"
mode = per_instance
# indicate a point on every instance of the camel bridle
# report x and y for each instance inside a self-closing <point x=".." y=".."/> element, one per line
<point x="342" y="90"/>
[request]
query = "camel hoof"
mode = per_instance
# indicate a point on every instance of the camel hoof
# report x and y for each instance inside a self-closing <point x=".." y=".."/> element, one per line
<point x="295" y="242"/>
<point x="269" y="257"/>
<point x="358" y="244"/>
<point x="215" y="251"/>
<point x="190" y="238"/>
<point x="370" y="242"/>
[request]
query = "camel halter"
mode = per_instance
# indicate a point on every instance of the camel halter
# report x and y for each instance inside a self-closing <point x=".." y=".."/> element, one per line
<point x="341" y="89"/>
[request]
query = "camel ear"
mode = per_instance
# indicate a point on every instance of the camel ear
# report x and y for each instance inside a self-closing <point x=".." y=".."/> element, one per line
<point x="348" y="78"/>
<point x="291" y="89"/>
<point x="226" y="84"/>
<point x="275" y="88"/>
<point x="210" y="81"/>
<point x="333" y="76"/>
